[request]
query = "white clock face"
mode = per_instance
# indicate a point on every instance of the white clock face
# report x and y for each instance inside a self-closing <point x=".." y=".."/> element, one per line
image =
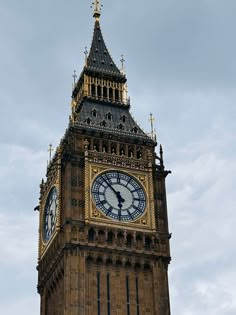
<point x="50" y="213"/>
<point x="119" y="196"/>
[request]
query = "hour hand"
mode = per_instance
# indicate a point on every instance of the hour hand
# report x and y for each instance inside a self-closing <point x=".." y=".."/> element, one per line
<point x="120" y="199"/>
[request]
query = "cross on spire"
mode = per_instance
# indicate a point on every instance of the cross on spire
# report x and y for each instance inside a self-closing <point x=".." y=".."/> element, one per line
<point x="97" y="9"/>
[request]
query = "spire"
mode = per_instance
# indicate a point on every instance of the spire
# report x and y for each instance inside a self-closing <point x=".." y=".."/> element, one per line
<point x="99" y="58"/>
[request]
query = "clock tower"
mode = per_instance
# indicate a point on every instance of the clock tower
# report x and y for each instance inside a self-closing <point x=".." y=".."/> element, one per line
<point x="103" y="227"/>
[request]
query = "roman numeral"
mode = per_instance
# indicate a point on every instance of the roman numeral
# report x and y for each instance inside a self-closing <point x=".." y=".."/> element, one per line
<point x="138" y="199"/>
<point x="109" y="210"/>
<point x="102" y="202"/>
<point x="135" y="190"/>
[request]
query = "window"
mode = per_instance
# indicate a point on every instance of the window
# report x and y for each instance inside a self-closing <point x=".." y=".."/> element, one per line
<point x="94" y="113"/>
<point x="116" y="95"/>
<point x="110" y="238"/>
<point x="123" y="118"/>
<point x="105" y="92"/>
<point x="110" y="93"/>
<point x="148" y="243"/>
<point x="88" y="121"/>
<point x="91" y="235"/>
<point x="103" y="123"/>
<point x="109" y="116"/>
<point x="93" y="90"/>
<point x="99" y="89"/>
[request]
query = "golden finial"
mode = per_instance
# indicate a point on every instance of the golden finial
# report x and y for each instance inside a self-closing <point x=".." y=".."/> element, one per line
<point x="97" y="9"/>
<point x="86" y="55"/>
<point x="74" y="76"/>
<point x="152" y="119"/>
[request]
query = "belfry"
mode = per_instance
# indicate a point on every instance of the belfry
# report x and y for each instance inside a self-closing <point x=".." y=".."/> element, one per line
<point x="103" y="224"/>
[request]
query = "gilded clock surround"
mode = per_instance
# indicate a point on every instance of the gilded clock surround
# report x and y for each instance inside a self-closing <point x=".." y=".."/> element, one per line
<point x="96" y="163"/>
<point x="53" y="180"/>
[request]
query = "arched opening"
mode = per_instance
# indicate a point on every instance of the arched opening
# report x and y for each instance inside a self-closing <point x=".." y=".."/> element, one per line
<point x="110" y="237"/>
<point x="110" y="93"/>
<point x="99" y="89"/>
<point x="103" y="123"/>
<point x="101" y="236"/>
<point x="109" y="116"/>
<point x="129" y="241"/>
<point x="120" y="239"/>
<point x="91" y="234"/>
<point x="113" y="148"/>
<point x="105" y="92"/>
<point x="93" y="90"/>
<point x="148" y="243"/>
<point x="88" y="121"/>
<point x="139" y="241"/>
<point x="116" y="95"/>
<point x="94" y="113"/>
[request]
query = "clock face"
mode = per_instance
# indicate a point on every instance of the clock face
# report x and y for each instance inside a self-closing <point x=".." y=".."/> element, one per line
<point x="50" y="213"/>
<point x="119" y="196"/>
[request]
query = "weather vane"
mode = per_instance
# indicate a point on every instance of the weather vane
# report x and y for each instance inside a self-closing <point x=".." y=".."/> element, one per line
<point x="97" y="9"/>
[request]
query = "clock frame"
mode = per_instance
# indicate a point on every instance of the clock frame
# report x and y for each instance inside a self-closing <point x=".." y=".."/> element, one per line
<point x="93" y="215"/>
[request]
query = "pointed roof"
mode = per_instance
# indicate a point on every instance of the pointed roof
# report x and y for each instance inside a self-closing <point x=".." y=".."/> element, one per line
<point x="99" y="58"/>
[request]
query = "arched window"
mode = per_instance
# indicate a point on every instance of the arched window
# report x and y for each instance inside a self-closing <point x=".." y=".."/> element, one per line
<point x="135" y="129"/>
<point x="94" y="113"/>
<point x="109" y="116"/>
<point x="110" y="93"/>
<point x="123" y="118"/>
<point x="148" y="243"/>
<point x="116" y="95"/>
<point x="93" y="90"/>
<point x="105" y="92"/>
<point x="129" y="240"/>
<point x="99" y="89"/>
<point x="139" y="241"/>
<point x="88" y="121"/>
<point x="91" y="234"/>
<point x="103" y="123"/>
<point x="110" y="237"/>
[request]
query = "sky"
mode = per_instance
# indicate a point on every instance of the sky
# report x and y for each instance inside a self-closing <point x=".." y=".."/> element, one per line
<point x="180" y="59"/>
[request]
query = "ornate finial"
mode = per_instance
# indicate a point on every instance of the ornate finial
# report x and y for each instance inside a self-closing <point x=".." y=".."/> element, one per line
<point x="122" y="63"/>
<point x="161" y="156"/>
<point x="74" y="76"/>
<point x="152" y="119"/>
<point x="50" y="150"/>
<point x="97" y="9"/>
<point x="86" y="55"/>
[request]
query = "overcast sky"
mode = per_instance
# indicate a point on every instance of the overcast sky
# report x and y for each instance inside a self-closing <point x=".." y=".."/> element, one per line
<point x="181" y="66"/>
